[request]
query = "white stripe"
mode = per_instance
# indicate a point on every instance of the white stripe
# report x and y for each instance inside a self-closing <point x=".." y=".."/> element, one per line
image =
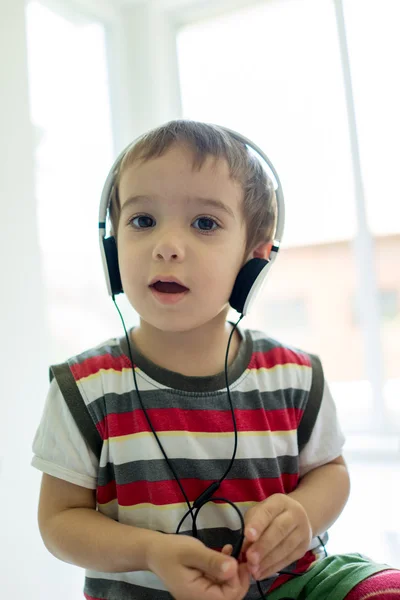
<point x="199" y="446"/>
<point x="280" y="377"/>
<point x="114" y="382"/>
<point x="167" y="517"/>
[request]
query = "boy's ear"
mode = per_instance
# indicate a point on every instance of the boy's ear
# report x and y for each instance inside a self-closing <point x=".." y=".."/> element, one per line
<point x="263" y="250"/>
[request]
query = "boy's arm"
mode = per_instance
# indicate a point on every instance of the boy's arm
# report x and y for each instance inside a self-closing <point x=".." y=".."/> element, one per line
<point x="323" y="493"/>
<point x="73" y="531"/>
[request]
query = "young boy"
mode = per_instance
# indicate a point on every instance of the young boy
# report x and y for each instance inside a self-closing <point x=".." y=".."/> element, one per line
<point x="190" y="206"/>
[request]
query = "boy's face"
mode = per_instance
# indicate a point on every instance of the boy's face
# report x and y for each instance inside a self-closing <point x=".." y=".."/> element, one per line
<point x="169" y="228"/>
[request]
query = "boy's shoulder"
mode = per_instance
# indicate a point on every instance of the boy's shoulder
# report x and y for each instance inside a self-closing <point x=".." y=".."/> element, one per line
<point x="106" y="354"/>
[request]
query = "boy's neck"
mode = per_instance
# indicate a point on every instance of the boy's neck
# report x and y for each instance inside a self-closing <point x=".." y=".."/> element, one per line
<point x="196" y="353"/>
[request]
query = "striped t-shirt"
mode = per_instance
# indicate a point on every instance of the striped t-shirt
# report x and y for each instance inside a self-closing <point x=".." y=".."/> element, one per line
<point x="269" y="384"/>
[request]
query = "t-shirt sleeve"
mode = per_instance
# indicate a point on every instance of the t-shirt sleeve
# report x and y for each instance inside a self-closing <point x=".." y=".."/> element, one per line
<point x="327" y="439"/>
<point x="59" y="448"/>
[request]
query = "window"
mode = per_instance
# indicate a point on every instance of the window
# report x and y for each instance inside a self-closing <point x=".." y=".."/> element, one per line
<point x="285" y="314"/>
<point x="377" y="98"/>
<point x="388" y="306"/>
<point x="283" y="87"/>
<point x="70" y="110"/>
<point x="277" y="89"/>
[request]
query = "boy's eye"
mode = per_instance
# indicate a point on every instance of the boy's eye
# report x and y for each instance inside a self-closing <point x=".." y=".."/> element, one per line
<point x="206" y="224"/>
<point x="143" y="221"/>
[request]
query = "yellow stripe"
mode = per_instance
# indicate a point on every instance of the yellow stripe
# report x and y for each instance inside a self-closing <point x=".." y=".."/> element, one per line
<point x="178" y="505"/>
<point x="201" y="434"/>
<point x="286" y="365"/>
<point x="100" y="371"/>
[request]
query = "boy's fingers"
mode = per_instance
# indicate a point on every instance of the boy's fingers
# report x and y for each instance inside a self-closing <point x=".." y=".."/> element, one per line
<point x="212" y="563"/>
<point x="227" y="549"/>
<point x="258" y="518"/>
<point x="246" y="545"/>
<point x="244" y="578"/>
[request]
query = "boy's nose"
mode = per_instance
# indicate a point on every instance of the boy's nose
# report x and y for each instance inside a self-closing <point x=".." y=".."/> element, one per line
<point x="168" y="250"/>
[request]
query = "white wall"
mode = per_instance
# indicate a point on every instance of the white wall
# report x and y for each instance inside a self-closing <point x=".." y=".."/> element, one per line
<point x="25" y="564"/>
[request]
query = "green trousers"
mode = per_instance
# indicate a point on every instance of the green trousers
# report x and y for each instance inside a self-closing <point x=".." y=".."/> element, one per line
<point x="330" y="578"/>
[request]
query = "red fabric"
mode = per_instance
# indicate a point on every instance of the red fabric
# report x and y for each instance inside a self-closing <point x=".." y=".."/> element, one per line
<point x="210" y="421"/>
<point x="166" y="492"/>
<point x="384" y="585"/>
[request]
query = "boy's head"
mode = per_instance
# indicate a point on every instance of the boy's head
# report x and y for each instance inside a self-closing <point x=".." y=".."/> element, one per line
<point x="167" y="223"/>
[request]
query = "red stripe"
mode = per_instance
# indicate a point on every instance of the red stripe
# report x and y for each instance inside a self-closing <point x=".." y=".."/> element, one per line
<point x="278" y="356"/>
<point x="94" y="364"/>
<point x="384" y="585"/>
<point x="209" y="421"/>
<point x="266" y="360"/>
<point x="165" y="492"/>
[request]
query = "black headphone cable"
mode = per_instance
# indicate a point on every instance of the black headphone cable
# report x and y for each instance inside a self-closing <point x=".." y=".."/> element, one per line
<point x="206" y="495"/>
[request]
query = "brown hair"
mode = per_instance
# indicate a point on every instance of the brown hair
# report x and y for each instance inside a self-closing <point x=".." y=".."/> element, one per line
<point x="259" y="204"/>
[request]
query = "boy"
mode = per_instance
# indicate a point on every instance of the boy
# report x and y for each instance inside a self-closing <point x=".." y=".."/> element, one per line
<point x="189" y="208"/>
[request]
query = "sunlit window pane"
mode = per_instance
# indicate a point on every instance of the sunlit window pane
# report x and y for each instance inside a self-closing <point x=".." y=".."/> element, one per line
<point x="374" y="49"/>
<point x="274" y="75"/>
<point x="71" y="114"/>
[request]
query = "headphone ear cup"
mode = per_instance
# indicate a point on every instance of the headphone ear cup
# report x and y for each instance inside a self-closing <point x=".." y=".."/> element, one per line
<point x="111" y="253"/>
<point x="248" y="282"/>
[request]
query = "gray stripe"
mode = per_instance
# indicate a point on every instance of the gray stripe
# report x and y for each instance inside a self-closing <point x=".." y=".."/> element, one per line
<point x="111" y="347"/>
<point x="310" y="414"/>
<point x="216" y="537"/>
<point x="158" y="399"/>
<point x="82" y="415"/>
<point x="205" y="470"/>
<point x="119" y="590"/>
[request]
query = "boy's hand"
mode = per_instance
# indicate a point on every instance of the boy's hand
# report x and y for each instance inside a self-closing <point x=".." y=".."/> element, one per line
<point x="192" y="571"/>
<point x="277" y="532"/>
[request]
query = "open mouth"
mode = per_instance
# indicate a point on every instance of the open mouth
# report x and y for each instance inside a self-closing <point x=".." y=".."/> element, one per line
<point x="169" y="287"/>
